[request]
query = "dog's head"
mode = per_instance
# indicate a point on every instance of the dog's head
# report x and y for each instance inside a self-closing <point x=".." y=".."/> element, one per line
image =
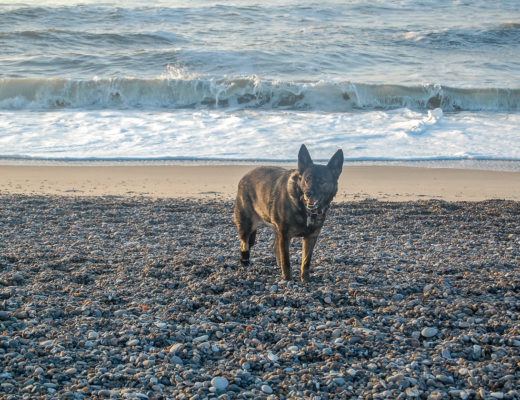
<point x="318" y="183"/>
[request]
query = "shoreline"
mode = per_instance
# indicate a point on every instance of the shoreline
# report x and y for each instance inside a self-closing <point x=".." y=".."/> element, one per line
<point x="504" y="165"/>
<point x="356" y="183"/>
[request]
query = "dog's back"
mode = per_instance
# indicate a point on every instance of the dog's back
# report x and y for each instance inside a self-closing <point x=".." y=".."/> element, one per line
<point x="258" y="191"/>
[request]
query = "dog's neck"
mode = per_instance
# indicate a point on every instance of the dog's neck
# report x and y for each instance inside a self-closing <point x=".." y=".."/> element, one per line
<point x="316" y="217"/>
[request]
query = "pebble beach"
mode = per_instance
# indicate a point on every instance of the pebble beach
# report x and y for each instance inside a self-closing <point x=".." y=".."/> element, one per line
<point x="140" y="298"/>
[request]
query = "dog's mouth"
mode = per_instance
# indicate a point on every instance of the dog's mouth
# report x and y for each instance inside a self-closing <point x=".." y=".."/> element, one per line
<point x="312" y="205"/>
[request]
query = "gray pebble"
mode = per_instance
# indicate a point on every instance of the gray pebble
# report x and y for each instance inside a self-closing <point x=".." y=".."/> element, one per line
<point x="429" y="332"/>
<point x="219" y="383"/>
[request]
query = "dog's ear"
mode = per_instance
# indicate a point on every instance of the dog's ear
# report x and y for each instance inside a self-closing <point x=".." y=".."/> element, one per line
<point x="336" y="163"/>
<point x="304" y="159"/>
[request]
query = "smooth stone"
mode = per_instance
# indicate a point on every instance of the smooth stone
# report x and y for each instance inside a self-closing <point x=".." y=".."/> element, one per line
<point x="93" y="335"/>
<point x="412" y="392"/>
<point x="340" y="381"/>
<point x="272" y="357"/>
<point x="219" y="383"/>
<point x="201" y="339"/>
<point x="132" y="342"/>
<point x="446" y="353"/>
<point x="175" y="348"/>
<point x="267" y="389"/>
<point x="395" y="378"/>
<point x="429" y="332"/>
<point x="177" y="360"/>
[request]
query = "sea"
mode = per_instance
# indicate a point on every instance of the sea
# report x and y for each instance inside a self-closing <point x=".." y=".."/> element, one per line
<point x="433" y="82"/>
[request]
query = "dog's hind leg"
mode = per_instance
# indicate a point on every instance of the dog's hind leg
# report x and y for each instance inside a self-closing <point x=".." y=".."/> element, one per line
<point x="246" y="232"/>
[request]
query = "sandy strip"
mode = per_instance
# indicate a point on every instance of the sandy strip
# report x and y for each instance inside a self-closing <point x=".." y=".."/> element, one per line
<point x="220" y="181"/>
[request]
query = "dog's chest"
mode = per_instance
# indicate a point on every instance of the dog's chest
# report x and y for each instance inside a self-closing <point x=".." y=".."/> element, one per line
<point x="305" y="225"/>
<point x="315" y="221"/>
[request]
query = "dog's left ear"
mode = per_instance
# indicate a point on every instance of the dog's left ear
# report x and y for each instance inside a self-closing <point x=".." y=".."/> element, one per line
<point x="336" y="163"/>
<point x="304" y="159"/>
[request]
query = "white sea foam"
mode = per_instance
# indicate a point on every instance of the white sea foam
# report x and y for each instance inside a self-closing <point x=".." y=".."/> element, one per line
<point x="258" y="135"/>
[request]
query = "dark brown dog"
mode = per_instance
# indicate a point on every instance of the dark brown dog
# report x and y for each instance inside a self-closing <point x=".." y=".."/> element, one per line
<point x="293" y="202"/>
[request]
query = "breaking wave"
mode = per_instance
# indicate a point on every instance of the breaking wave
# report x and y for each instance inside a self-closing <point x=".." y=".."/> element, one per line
<point x="244" y="93"/>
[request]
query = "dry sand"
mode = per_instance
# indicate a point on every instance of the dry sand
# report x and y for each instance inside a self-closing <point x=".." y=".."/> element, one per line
<point x="387" y="183"/>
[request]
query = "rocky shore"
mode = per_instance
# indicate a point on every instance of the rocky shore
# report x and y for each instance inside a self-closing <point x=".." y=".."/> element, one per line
<point x="112" y="297"/>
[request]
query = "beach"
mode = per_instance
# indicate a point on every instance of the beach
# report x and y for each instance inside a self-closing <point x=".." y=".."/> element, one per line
<point x="125" y="127"/>
<point x="123" y="282"/>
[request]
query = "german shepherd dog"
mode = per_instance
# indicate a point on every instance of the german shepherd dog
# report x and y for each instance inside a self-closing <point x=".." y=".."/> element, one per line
<point x="293" y="202"/>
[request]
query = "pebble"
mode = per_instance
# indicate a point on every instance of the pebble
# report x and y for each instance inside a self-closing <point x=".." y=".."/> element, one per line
<point x="429" y="332"/>
<point x="92" y="335"/>
<point x="175" y="348"/>
<point x="412" y="392"/>
<point x="272" y="357"/>
<point x="128" y="298"/>
<point x="201" y="339"/>
<point x="176" y="360"/>
<point x="219" y="383"/>
<point x="267" y="389"/>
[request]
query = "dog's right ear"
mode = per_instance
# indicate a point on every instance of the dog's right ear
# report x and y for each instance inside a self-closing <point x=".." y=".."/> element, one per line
<point x="304" y="159"/>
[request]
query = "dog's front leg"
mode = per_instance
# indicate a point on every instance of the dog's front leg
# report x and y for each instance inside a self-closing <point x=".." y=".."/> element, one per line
<point x="307" y="248"/>
<point x="284" y="241"/>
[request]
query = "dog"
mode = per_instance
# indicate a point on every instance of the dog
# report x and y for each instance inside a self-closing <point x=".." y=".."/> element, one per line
<point x="293" y="202"/>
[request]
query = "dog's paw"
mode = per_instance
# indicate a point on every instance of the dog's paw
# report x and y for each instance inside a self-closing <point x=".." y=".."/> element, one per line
<point x="244" y="259"/>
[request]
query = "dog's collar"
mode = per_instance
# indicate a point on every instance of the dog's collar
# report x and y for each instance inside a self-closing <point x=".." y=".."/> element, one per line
<point x="313" y="215"/>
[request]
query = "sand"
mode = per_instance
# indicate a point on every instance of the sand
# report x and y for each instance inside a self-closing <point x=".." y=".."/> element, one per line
<point x="388" y="183"/>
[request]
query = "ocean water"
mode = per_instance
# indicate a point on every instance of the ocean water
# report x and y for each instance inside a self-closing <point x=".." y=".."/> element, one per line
<point x="407" y="80"/>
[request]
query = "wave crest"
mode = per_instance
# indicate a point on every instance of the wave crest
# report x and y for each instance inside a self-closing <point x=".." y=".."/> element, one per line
<point x="183" y="91"/>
